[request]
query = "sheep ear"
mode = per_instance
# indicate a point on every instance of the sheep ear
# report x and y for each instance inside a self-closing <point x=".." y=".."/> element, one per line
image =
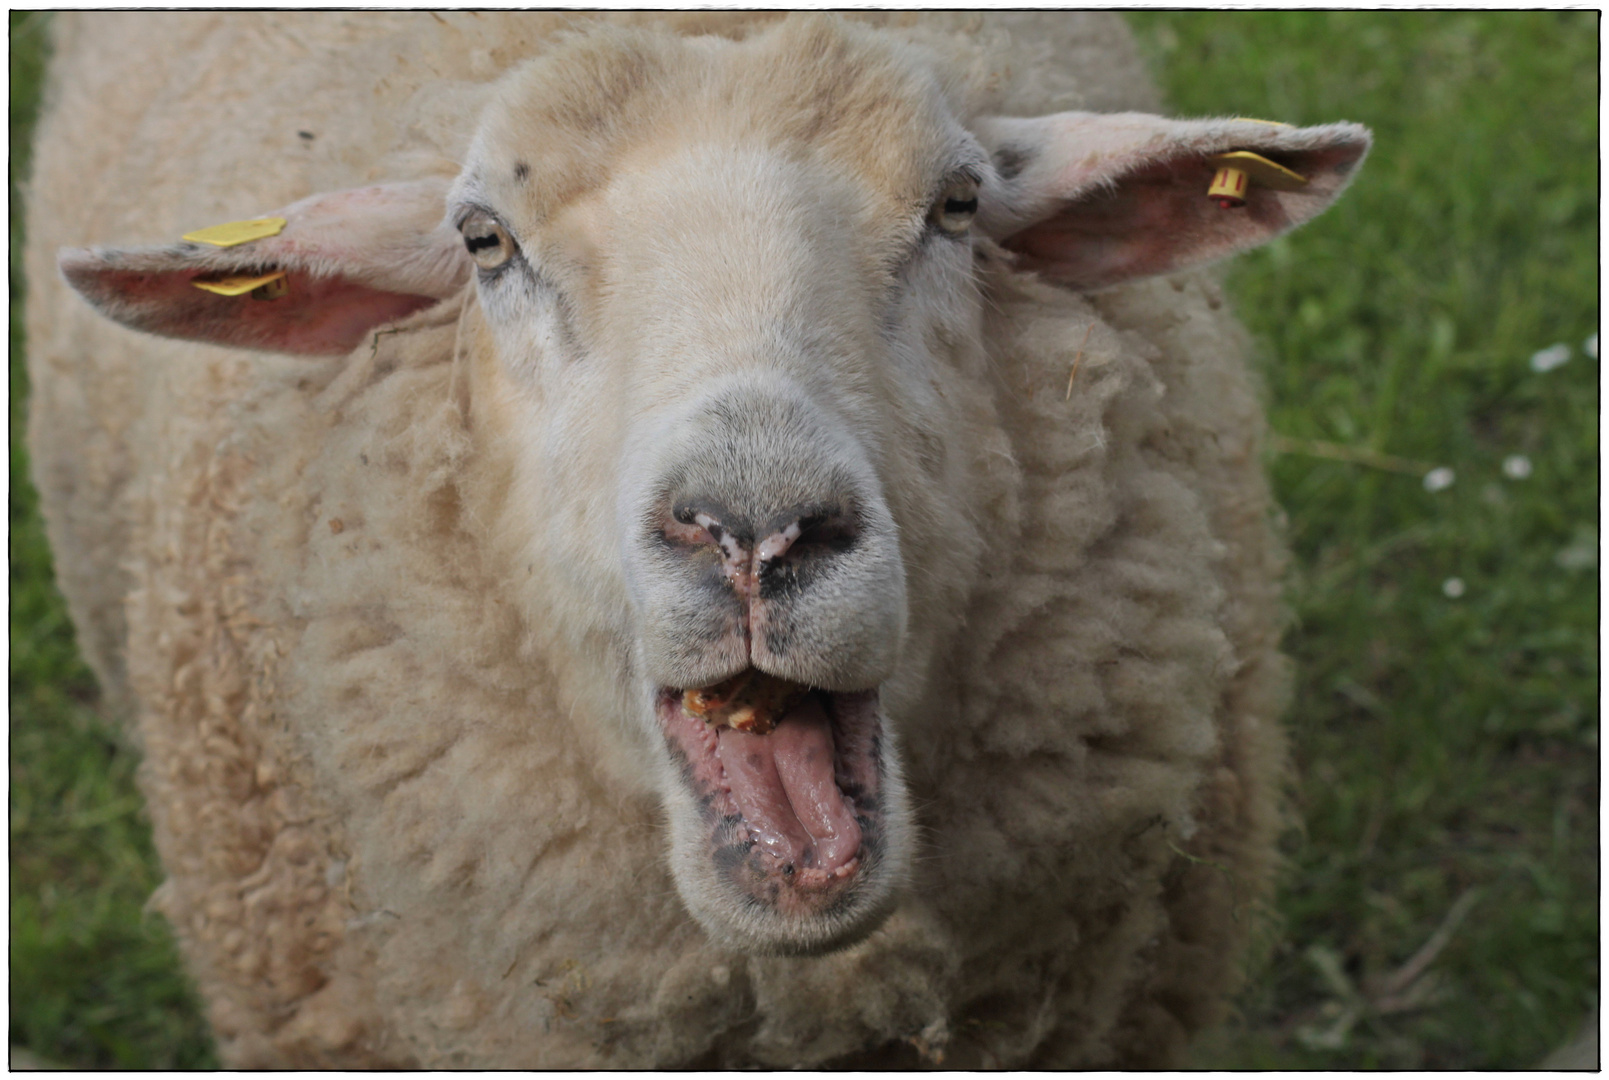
<point x="1092" y="200"/>
<point x="314" y="277"/>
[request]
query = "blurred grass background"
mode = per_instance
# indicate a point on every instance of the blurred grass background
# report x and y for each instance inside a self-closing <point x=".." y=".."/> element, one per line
<point x="95" y="982"/>
<point x="1442" y="905"/>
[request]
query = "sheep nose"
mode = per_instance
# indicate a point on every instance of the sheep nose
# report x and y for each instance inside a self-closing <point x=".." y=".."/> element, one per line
<point x="753" y="555"/>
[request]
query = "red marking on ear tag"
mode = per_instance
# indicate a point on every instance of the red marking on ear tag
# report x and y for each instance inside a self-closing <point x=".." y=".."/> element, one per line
<point x="1228" y="188"/>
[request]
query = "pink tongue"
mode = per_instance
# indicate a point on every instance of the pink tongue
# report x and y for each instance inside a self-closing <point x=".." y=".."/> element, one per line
<point x="783" y="783"/>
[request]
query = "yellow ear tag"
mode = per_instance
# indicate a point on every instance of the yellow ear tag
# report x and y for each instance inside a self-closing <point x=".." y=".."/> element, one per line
<point x="1239" y="169"/>
<point x="261" y="286"/>
<point x="1261" y="170"/>
<point x="272" y="290"/>
<point x="1228" y="188"/>
<point x="237" y="232"/>
<point x="1254" y="120"/>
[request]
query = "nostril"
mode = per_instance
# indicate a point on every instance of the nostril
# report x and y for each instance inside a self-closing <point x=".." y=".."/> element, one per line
<point x="708" y="523"/>
<point x="776" y="545"/>
<point x="825" y="532"/>
<point x="683" y="527"/>
<point x="703" y="523"/>
<point x="835" y="531"/>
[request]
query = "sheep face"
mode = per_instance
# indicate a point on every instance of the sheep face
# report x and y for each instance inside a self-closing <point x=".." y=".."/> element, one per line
<point x="727" y="380"/>
<point x="727" y="336"/>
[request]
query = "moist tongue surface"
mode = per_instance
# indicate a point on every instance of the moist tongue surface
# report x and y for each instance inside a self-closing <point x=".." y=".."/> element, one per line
<point x="783" y="783"/>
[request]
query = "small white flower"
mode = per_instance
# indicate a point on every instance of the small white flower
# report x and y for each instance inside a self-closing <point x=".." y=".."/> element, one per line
<point x="1549" y="358"/>
<point x="1453" y="587"/>
<point x="1590" y="346"/>
<point x="1439" y="479"/>
<point x="1516" y="466"/>
<point x="1582" y="552"/>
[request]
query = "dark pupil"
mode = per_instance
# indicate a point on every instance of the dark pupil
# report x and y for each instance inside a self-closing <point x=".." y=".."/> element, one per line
<point x="961" y="206"/>
<point x="480" y="243"/>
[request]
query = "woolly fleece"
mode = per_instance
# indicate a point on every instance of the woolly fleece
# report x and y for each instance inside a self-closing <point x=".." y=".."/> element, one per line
<point x="388" y="842"/>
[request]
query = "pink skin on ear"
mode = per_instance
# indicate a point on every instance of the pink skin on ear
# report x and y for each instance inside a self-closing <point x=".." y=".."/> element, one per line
<point x="1096" y="200"/>
<point x="1154" y="220"/>
<point x="354" y="260"/>
<point x="319" y="315"/>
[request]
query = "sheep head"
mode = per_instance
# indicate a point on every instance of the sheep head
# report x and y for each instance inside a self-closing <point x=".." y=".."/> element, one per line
<point x="726" y="298"/>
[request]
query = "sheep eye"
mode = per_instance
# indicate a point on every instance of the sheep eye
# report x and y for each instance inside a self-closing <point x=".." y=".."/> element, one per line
<point x="488" y="242"/>
<point x="954" y="210"/>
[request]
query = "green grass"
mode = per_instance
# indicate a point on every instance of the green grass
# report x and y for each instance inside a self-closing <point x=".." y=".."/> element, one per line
<point x="1448" y="746"/>
<point x="95" y="983"/>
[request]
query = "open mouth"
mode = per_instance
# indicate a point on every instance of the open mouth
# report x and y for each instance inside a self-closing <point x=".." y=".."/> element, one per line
<point x="787" y="779"/>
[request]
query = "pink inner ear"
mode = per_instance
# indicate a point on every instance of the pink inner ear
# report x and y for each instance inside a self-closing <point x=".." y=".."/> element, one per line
<point x="324" y="315"/>
<point x="1156" y="219"/>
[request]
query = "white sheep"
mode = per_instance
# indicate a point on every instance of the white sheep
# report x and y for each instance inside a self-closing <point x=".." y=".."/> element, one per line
<point x="718" y="344"/>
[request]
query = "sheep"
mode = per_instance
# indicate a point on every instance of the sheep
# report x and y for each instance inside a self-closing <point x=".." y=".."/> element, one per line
<point x="865" y="360"/>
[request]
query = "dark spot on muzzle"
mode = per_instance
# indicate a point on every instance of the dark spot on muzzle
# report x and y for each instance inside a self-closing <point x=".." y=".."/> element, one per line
<point x="729" y="858"/>
<point x="1010" y="161"/>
